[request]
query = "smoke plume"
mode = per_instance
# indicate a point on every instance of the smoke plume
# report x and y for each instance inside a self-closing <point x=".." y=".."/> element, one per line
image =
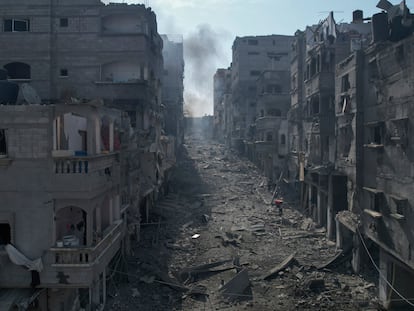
<point x="203" y="54"/>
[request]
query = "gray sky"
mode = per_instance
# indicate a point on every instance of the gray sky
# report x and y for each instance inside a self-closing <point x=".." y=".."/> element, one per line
<point x="210" y="26"/>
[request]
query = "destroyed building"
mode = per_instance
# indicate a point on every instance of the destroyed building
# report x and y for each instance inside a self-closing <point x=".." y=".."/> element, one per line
<point x="251" y="57"/>
<point x="88" y="155"/>
<point x="348" y="131"/>
<point x="173" y="86"/>
<point x="221" y="92"/>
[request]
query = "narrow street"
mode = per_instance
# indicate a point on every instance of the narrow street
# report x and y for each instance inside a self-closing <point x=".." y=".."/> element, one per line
<point x="217" y="213"/>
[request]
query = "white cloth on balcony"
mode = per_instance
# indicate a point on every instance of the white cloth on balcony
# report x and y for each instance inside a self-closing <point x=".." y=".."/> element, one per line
<point x="19" y="259"/>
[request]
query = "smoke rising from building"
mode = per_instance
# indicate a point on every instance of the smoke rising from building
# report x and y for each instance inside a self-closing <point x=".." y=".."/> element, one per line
<point x="203" y="53"/>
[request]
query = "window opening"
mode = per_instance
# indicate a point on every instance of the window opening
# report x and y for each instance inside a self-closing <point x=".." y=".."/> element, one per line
<point x="64" y="22"/>
<point x="5" y="234"/>
<point x="3" y="143"/>
<point x="16" y="25"/>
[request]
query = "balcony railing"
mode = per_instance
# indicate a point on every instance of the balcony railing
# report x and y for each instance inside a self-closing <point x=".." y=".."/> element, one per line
<point x="83" y="165"/>
<point x="86" y="255"/>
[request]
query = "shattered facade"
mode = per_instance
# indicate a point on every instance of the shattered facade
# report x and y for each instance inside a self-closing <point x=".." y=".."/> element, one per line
<point x="173" y="86"/>
<point x="252" y="56"/>
<point x="222" y="104"/>
<point x="93" y="159"/>
<point x="348" y="129"/>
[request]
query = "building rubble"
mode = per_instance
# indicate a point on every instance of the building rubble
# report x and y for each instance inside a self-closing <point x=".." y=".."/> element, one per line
<point x="232" y="194"/>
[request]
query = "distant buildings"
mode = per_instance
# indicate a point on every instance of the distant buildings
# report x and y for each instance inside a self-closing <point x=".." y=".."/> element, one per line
<point x="85" y="166"/>
<point x="341" y="139"/>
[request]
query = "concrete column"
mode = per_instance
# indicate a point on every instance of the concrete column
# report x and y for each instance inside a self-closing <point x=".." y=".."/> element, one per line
<point x="383" y="288"/>
<point x="111" y="211"/>
<point x="111" y="136"/>
<point x="310" y="200"/>
<point x="330" y="217"/>
<point x="89" y="229"/>
<point x="97" y="136"/>
<point x="319" y="208"/>
<point x="356" y="254"/>
<point x="98" y="220"/>
<point x="339" y="238"/>
<point x="117" y="207"/>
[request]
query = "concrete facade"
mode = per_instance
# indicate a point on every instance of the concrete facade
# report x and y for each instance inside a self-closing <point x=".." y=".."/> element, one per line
<point x="93" y="161"/>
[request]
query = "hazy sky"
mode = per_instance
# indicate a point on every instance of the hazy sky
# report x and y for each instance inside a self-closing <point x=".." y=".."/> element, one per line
<point x="210" y="26"/>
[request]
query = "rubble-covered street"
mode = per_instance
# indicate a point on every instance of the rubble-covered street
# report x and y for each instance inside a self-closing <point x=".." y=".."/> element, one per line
<point x="214" y="243"/>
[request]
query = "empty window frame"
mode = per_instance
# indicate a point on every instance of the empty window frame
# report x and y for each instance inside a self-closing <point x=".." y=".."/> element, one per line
<point x="16" y="25"/>
<point x="345" y="85"/>
<point x="5" y="233"/>
<point x="18" y="71"/>
<point x="283" y="139"/>
<point x="64" y="73"/>
<point x="64" y="22"/>
<point x="269" y="136"/>
<point x="376" y="135"/>
<point x="3" y="143"/>
<point x="255" y="73"/>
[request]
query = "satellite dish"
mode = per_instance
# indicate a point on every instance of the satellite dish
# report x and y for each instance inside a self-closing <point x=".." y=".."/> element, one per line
<point x="29" y="95"/>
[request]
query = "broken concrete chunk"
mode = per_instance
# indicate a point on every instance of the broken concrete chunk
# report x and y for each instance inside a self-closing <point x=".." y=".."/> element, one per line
<point x="283" y="265"/>
<point x="236" y="287"/>
<point x="316" y="285"/>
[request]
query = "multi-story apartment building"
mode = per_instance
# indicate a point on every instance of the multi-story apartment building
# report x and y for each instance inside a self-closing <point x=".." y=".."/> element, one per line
<point x="173" y="86"/>
<point x="374" y="157"/>
<point x="79" y="165"/>
<point x="251" y="57"/>
<point x="319" y="49"/>
<point x="222" y="88"/>
<point x="271" y="127"/>
<point x="62" y="220"/>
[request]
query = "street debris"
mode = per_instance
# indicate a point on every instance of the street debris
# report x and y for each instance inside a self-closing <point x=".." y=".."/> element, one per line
<point x="283" y="265"/>
<point x="221" y="245"/>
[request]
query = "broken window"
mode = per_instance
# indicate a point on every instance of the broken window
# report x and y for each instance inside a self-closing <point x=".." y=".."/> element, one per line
<point x="345" y="104"/>
<point x="376" y="201"/>
<point x="3" y="143"/>
<point x="345" y="85"/>
<point x="63" y="72"/>
<point x="16" y="25"/>
<point x="314" y="105"/>
<point x="18" y="70"/>
<point x="5" y="234"/>
<point x="376" y="135"/>
<point x="344" y="140"/>
<point x="64" y="22"/>
<point x="373" y="70"/>
<point x="269" y="136"/>
<point x="283" y="139"/>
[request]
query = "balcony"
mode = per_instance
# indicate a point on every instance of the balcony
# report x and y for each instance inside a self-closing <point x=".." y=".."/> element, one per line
<point x="85" y="256"/>
<point x="84" y="174"/>
<point x="76" y="266"/>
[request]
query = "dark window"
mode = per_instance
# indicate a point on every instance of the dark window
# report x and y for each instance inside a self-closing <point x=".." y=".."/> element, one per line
<point x="252" y="42"/>
<point x="64" y="22"/>
<point x="253" y="53"/>
<point x="5" y="234"/>
<point x="64" y="72"/>
<point x="255" y="73"/>
<point x="252" y="104"/>
<point x="283" y="139"/>
<point x="3" y="143"/>
<point x="16" y="25"/>
<point x="8" y="25"/>
<point x="345" y="86"/>
<point x="18" y="70"/>
<point x="269" y="137"/>
<point x="376" y="135"/>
